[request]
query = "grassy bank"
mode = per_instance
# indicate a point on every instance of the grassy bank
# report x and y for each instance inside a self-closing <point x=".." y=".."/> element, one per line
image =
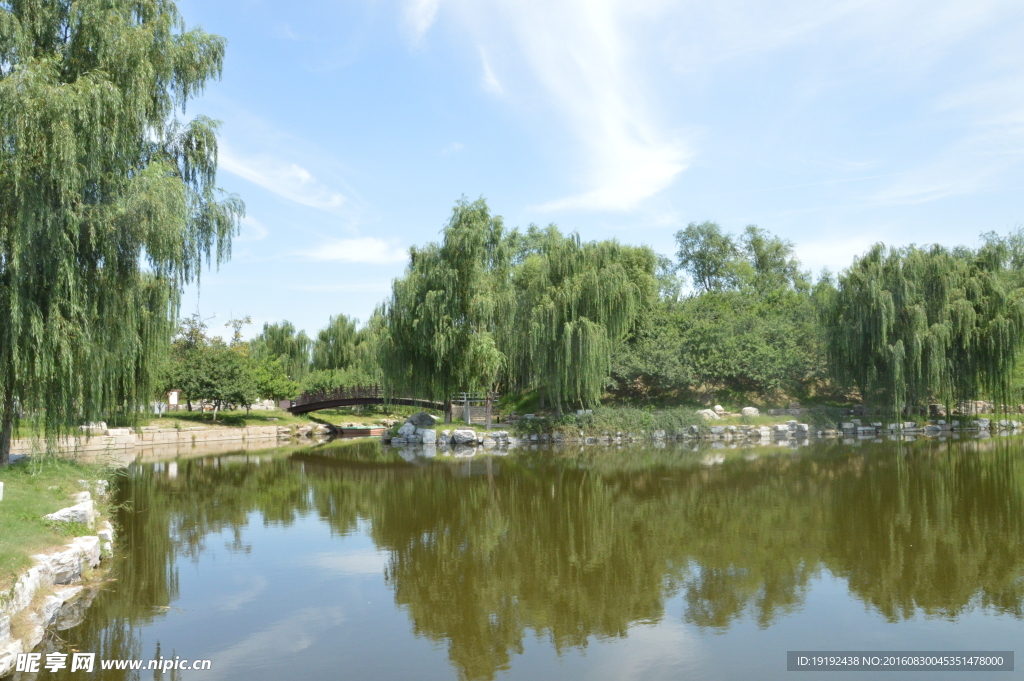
<point x="31" y="490"/>
<point x="368" y="415"/>
<point x="615" y="420"/>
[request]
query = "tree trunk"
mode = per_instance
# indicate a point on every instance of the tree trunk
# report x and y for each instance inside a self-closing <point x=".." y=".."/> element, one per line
<point x="6" y="429"/>
<point x="465" y="410"/>
<point x="540" y="395"/>
<point x="488" y="410"/>
<point x="189" y="403"/>
<point x="448" y="410"/>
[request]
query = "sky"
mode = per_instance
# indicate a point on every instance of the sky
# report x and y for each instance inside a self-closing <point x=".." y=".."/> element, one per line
<point x="350" y="129"/>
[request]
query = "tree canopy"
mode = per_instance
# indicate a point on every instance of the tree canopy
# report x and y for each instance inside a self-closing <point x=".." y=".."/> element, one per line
<point x="912" y="325"/>
<point x="108" y="202"/>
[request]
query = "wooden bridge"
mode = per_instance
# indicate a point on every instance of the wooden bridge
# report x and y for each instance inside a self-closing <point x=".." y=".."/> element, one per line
<point x="354" y="395"/>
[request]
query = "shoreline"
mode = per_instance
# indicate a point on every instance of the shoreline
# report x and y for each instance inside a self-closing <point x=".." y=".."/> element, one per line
<point x="57" y="590"/>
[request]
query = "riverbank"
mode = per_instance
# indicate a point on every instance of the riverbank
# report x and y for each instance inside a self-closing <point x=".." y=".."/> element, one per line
<point x="53" y="512"/>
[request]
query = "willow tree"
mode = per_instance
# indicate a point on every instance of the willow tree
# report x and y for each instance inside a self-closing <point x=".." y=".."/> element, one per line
<point x="281" y="341"/>
<point x="575" y="302"/>
<point x="107" y="201"/>
<point x="908" y="326"/>
<point x="441" y="321"/>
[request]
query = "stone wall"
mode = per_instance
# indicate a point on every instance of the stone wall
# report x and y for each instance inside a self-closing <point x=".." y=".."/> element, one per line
<point x="51" y="593"/>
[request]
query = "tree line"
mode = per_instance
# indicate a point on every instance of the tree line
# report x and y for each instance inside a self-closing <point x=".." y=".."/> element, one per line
<point x="109" y="206"/>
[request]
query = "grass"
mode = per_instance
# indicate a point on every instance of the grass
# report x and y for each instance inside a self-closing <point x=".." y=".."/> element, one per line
<point x="33" y="488"/>
<point x="367" y="415"/>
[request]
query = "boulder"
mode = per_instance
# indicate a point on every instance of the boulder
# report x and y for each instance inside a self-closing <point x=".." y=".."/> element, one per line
<point x="422" y="420"/>
<point x="750" y="411"/>
<point x="428" y="436"/>
<point x="407" y="430"/>
<point x="83" y="512"/>
<point x="707" y="415"/>
<point x="464" y="436"/>
<point x="719" y="409"/>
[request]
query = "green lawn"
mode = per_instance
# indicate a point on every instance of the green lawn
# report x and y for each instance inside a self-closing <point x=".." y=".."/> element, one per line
<point x="367" y="415"/>
<point x="31" y="490"/>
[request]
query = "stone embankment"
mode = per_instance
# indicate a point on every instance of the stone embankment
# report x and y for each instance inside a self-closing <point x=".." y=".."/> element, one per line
<point x="98" y="438"/>
<point x="419" y="431"/>
<point x="57" y="590"/>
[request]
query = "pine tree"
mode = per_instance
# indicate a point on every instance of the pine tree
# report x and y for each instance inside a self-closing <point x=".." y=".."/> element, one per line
<point x="107" y="201"/>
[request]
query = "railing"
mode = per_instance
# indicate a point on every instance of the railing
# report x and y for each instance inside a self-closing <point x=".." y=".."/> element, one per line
<point x="357" y="392"/>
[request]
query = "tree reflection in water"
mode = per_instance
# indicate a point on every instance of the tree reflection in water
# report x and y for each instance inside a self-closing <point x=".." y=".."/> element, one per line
<point x="582" y="545"/>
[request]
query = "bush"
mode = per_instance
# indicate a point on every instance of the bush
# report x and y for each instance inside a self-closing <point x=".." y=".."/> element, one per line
<point x="613" y="420"/>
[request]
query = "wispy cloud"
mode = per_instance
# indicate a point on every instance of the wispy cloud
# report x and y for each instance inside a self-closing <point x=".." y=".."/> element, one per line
<point x="284" y="178"/>
<point x="419" y="16"/>
<point x="252" y="230"/>
<point x="490" y="81"/>
<point x="581" y="54"/>
<point x="365" y="249"/>
<point x="453" y="148"/>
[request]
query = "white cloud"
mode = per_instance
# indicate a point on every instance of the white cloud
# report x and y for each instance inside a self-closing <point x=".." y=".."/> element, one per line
<point x="420" y="15"/>
<point x="252" y="230"/>
<point x="490" y="81"/>
<point x="283" y="178"/>
<point x="359" y="562"/>
<point x="289" y="636"/>
<point x="582" y="55"/>
<point x="453" y="148"/>
<point x="365" y="249"/>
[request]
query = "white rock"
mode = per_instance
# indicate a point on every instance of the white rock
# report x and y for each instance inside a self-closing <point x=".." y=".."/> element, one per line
<point x="750" y="411"/>
<point x="719" y="409"/>
<point x="90" y="547"/>
<point x="708" y="415"/>
<point x="407" y="430"/>
<point x="463" y="436"/>
<point x="9" y="652"/>
<point x="83" y="512"/>
<point x="428" y="436"/>
<point x="106" y="532"/>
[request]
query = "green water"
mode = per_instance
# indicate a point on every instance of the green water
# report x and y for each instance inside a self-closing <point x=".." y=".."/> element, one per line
<point x="348" y="561"/>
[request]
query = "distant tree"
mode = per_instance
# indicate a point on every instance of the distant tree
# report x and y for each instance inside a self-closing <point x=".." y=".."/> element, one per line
<point x="440" y="325"/>
<point x="282" y="342"/>
<point x="575" y="303"/>
<point x="108" y="203"/>
<point x="911" y="325"/>
<point x="272" y="383"/>
<point x="335" y="346"/>
<point x="708" y="255"/>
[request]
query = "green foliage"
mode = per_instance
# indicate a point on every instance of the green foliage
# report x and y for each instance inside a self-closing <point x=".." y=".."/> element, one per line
<point x="282" y="342"/>
<point x="611" y="420"/>
<point x="751" y="331"/>
<point x="575" y="303"/>
<point x="107" y="201"/>
<point x="912" y="325"/>
<point x="206" y="369"/>
<point x="439" y="333"/>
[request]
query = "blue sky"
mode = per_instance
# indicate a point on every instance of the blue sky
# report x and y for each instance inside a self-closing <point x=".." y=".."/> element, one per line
<point x="351" y="128"/>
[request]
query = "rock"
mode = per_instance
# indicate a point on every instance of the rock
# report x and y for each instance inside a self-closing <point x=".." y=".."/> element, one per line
<point x="422" y="420"/>
<point x="407" y="430"/>
<point x="427" y="435"/>
<point x="399" y="441"/>
<point x="464" y="436"/>
<point x="849" y="425"/>
<point x="708" y="415"/>
<point x="717" y="430"/>
<point x="719" y="409"/>
<point x="106" y="532"/>
<point x="658" y="435"/>
<point x="803" y="428"/>
<point x="83" y="512"/>
<point x="750" y="411"/>
<point x="782" y="428"/>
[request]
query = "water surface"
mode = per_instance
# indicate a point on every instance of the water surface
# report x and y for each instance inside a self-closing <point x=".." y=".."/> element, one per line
<point x="348" y="561"/>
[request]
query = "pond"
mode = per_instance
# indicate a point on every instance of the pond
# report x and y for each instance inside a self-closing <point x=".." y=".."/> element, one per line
<point x="348" y="561"/>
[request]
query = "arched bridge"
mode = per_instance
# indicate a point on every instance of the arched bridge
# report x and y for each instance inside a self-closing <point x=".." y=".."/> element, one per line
<point x="351" y="396"/>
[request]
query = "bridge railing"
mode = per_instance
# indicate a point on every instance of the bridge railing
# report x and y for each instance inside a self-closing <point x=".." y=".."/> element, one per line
<point x="354" y="392"/>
